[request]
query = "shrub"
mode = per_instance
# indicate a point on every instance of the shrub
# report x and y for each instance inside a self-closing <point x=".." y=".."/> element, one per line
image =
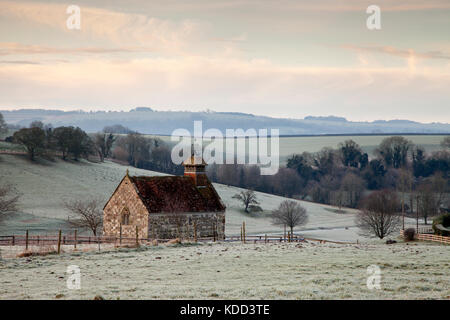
<point x="409" y="234"/>
<point x="255" y="208"/>
<point x="43" y="251"/>
<point x="120" y="154"/>
<point x="444" y="220"/>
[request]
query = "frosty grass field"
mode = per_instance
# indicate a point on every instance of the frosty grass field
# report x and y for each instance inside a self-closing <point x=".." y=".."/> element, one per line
<point x="235" y="271"/>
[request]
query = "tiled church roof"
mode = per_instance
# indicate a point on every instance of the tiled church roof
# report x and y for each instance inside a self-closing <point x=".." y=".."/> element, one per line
<point x="176" y="194"/>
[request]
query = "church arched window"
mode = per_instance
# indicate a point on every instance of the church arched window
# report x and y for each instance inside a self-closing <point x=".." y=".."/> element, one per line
<point x="125" y="216"/>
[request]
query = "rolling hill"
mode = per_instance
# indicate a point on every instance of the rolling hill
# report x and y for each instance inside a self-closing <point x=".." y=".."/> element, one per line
<point x="45" y="185"/>
<point x="146" y="120"/>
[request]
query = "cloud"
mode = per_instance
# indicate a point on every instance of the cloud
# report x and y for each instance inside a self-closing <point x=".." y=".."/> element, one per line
<point x="297" y="5"/>
<point x="120" y="28"/>
<point x="256" y="86"/>
<point x="18" y="62"/>
<point x="13" y="48"/>
<point x="403" y="53"/>
<point x="199" y="64"/>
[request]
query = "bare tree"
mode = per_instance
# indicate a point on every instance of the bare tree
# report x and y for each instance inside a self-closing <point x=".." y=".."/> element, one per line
<point x="85" y="214"/>
<point x="352" y="187"/>
<point x="446" y="143"/>
<point x="394" y="151"/>
<point x="248" y="199"/>
<point x="337" y="198"/>
<point x="103" y="143"/>
<point x="289" y="213"/>
<point x="3" y="126"/>
<point x="404" y="185"/>
<point x="8" y="199"/>
<point x="427" y="202"/>
<point x="440" y="187"/>
<point x="137" y="147"/>
<point x="378" y="216"/>
<point x="350" y="153"/>
<point x="33" y="139"/>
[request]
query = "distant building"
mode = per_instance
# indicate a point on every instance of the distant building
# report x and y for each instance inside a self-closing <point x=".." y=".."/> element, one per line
<point x="166" y="207"/>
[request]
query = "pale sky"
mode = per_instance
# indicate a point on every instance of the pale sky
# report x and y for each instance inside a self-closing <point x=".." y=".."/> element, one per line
<point x="289" y="58"/>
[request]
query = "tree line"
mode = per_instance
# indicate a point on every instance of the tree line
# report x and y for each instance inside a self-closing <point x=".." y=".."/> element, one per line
<point x="115" y="141"/>
<point x="41" y="140"/>
<point x="345" y="175"/>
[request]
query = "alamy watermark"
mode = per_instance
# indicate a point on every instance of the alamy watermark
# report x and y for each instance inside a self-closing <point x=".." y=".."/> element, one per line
<point x="374" y="277"/>
<point x="74" y="279"/>
<point x="73" y="22"/>
<point x="235" y="146"/>
<point x="374" y="20"/>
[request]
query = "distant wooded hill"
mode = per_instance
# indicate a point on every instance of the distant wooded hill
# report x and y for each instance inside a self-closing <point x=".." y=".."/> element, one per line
<point x="146" y="120"/>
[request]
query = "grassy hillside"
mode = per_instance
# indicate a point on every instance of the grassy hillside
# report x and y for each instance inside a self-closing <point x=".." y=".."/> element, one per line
<point x="45" y="185"/>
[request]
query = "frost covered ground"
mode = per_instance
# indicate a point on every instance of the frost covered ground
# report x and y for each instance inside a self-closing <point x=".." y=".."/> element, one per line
<point x="236" y="271"/>
<point x="45" y="185"/>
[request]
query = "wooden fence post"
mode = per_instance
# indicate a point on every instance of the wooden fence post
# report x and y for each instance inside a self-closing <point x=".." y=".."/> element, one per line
<point x="120" y="234"/>
<point x="265" y="238"/>
<point x="75" y="236"/>
<point x="243" y="230"/>
<point x="195" y="231"/>
<point x="417" y="215"/>
<point x="214" y="232"/>
<point x="26" y="240"/>
<point x="38" y="240"/>
<point x="59" y="242"/>
<point x="13" y="240"/>
<point x="137" y="237"/>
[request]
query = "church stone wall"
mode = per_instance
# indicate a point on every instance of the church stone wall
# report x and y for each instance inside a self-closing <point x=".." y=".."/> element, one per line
<point x="125" y="197"/>
<point x="181" y="225"/>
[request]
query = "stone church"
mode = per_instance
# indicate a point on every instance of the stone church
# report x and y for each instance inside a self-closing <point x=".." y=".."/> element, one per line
<point x="166" y="207"/>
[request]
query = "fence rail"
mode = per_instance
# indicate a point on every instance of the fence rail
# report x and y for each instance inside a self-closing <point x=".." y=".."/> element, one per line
<point x="21" y="240"/>
<point x="433" y="237"/>
<point x="72" y="239"/>
<point x="429" y="237"/>
<point x="425" y="230"/>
